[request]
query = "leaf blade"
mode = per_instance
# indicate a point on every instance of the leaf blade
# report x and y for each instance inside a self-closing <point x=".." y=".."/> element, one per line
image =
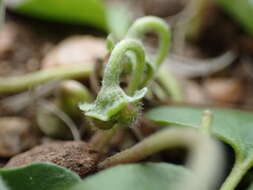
<point x="39" y="176"/>
<point x="148" y="176"/>
<point x="232" y="126"/>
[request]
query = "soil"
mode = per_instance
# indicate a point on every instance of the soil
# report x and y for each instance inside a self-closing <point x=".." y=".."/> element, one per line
<point x="76" y="156"/>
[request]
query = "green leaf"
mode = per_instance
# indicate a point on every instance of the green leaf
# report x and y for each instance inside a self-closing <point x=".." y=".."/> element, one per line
<point x="241" y="10"/>
<point x="38" y="176"/>
<point x="147" y="176"/>
<point x="90" y="12"/>
<point x="232" y="126"/>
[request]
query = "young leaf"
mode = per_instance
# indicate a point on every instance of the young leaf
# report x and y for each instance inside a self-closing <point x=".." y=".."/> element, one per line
<point x="39" y="176"/>
<point x="147" y="176"/>
<point x="232" y="126"/>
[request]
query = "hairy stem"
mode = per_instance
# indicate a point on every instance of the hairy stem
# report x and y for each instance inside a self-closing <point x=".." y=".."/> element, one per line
<point x="235" y="176"/>
<point x="198" y="145"/>
<point x="24" y="82"/>
<point x="114" y="67"/>
<point x="160" y="28"/>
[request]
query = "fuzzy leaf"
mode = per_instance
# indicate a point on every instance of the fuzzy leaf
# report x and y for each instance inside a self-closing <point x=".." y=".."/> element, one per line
<point x="109" y="102"/>
<point x="38" y="176"/>
<point x="147" y="176"/>
<point x="232" y="126"/>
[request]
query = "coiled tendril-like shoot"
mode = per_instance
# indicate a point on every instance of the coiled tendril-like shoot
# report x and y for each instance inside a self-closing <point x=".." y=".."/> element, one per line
<point x="113" y="105"/>
<point x="138" y="30"/>
<point x="112" y="102"/>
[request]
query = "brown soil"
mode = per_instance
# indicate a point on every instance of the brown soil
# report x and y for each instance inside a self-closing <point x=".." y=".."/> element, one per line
<point x="76" y="156"/>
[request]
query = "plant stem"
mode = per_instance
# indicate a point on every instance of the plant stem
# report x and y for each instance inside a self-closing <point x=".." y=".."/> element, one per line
<point x="114" y="66"/>
<point x="24" y="82"/>
<point x="235" y="176"/>
<point x="206" y="123"/>
<point x="169" y="83"/>
<point x="159" y="27"/>
<point x="201" y="148"/>
<point x="101" y="138"/>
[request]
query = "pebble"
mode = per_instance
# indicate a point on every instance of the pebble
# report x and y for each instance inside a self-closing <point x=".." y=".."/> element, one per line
<point x="15" y="136"/>
<point x="76" y="50"/>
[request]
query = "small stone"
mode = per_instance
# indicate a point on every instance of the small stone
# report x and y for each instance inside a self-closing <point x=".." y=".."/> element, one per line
<point x="194" y="94"/>
<point x="74" y="155"/>
<point x="8" y="36"/>
<point x="15" y="136"/>
<point x="76" y="50"/>
<point x="224" y="90"/>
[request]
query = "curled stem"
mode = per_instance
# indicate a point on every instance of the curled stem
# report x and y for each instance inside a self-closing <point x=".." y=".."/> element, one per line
<point x="112" y="99"/>
<point x="160" y="28"/>
<point x="235" y="176"/>
<point x="114" y="68"/>
<point x="24" y="82"/>
<point x="198" y="145"/>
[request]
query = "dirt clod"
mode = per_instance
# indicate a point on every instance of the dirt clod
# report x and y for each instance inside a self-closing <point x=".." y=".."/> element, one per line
<point x="74" y="155"/>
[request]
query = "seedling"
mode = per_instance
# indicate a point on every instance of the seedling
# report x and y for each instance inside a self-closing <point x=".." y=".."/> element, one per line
<point x="113" y="105"/>
<point x="116" y="107"/>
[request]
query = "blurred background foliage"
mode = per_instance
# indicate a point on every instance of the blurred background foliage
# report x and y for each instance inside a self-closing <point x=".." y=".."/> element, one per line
<point x="93" y="12"/>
